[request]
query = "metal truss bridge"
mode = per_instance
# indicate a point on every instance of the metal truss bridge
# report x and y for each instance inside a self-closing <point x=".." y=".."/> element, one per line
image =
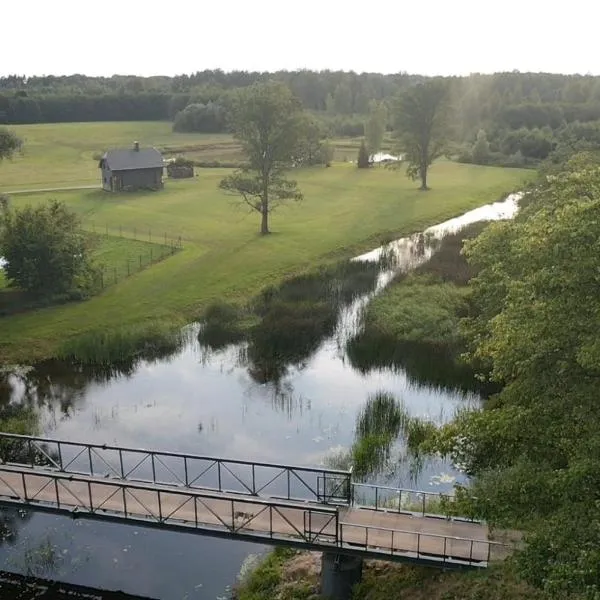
<point x="303" y="507"/>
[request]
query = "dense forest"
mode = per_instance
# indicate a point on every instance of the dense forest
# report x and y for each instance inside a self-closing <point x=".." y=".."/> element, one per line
<point x="507" y="118"/>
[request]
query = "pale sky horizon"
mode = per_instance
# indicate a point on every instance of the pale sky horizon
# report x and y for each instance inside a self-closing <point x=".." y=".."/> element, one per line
<point x="137" y="37"/>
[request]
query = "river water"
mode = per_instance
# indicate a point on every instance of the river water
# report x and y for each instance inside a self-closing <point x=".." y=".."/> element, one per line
<point x="205" y="402"/>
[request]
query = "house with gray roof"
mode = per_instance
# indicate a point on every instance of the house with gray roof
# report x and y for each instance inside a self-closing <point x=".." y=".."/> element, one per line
<point x="132" y="169"/>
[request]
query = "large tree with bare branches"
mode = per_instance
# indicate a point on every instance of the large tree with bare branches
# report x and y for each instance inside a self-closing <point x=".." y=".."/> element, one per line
<point x="268" y="122"/>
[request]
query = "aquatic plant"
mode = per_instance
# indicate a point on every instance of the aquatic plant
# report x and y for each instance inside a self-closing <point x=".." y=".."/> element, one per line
<point x="138" y="342"/>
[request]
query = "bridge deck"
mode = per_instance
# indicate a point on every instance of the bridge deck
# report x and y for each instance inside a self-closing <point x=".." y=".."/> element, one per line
<point x="317" y="526"/>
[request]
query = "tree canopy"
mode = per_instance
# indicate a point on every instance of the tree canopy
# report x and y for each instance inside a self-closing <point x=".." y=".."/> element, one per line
<point x="269" y="123"/>
<point x="421" y="115"/>
<point x="534" y="328"/>
<point x="375" y="126"/>
<point x="45" y="250"/>
<point x="9" y="143"/>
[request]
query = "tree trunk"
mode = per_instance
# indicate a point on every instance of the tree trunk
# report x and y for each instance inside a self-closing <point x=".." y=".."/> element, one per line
<point x="264" y="208"/>
<point x="264" y="223"/>
<point x="424" y="179"/>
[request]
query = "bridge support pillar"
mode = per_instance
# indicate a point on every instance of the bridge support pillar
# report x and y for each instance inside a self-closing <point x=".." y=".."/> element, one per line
<point x="339" y="574"/>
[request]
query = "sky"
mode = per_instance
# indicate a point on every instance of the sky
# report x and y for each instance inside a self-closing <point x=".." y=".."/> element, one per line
<point x="444" y="37"/>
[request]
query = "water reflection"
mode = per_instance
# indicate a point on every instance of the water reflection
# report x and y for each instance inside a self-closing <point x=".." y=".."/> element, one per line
<point x="264" y="398"/>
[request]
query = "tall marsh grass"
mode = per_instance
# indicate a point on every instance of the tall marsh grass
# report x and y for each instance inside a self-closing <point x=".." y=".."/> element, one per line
<point x="144" y="342"/>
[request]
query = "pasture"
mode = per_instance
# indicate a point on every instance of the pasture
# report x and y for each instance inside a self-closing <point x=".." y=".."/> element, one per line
<point x="62" y="155"/>
<point x="345" y="211"/>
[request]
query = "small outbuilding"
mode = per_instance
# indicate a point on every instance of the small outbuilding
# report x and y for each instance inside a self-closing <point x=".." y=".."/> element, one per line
<point x="132" y="169"/>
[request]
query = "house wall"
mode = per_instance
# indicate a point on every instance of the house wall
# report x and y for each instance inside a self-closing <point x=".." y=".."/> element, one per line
<point x="139" y="178"/>
<point x="106" y="178"/>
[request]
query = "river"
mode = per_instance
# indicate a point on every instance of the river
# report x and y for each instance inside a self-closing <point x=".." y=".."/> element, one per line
<point x="206" y="402"/>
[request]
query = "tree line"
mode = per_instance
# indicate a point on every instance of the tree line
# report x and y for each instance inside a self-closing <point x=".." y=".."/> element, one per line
<point x="513" y="119"/>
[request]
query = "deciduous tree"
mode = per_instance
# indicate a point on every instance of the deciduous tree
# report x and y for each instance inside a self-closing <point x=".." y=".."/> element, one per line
<point x="9" y="143"/>
<point x="534" y="328"/>
<point x="45" y="250"/>
<point x="363" y="161"/>
<point x="268" y="121"/>
<point x="481" y="149"/>
<point x="421" y="115"/>
<point x="375" y="126"/>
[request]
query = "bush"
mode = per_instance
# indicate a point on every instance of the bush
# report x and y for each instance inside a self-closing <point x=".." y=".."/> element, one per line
<point x="46" y="251"/>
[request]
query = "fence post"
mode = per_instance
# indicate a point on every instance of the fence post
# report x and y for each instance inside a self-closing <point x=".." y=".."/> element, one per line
<point x="165" y="238"/>
<point x="102" y="277"/>
<point x="150" y="254"/>
<point x="150" y="235"/>
<point x="121" y="230"/>
<point x="140" y="262"/>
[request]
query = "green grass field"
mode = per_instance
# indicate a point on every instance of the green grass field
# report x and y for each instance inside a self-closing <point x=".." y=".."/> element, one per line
<point x="120" y="257"/>
<point x="61" y="154"/>
<point x="345" y="211"/>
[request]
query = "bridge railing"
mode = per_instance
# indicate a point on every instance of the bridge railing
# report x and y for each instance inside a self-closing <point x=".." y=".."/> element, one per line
<point x="404" y="500"/>
<point x="326" y="486"/>
<point x="420" y="545"/>
<point x="243" y="516"/>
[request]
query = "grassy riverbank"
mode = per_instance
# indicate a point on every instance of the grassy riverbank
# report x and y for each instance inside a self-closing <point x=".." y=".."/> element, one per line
<point x="345" y="211"/>
<point x="415" y="322"/>
<point x="287" y="575"/>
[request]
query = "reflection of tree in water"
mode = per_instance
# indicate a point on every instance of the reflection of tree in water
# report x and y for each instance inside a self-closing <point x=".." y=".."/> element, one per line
<point x="64" y="384"/>
<point x="423" y="364"/>
<point x="378" y="426"/>
<point x="290" y="321"/>
<point x="374" y="452"/>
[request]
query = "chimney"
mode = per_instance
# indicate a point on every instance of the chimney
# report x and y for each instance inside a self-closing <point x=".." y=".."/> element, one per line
<point x="136" y="146"/>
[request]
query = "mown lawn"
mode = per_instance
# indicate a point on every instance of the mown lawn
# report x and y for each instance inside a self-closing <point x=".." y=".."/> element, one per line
<point x="62" y="154"/>
<point x="119" y="257"/>
<point x="344" y="211"/>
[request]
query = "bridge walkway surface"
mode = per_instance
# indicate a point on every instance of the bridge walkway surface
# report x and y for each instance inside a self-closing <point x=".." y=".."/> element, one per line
<point x="303" y="507"/>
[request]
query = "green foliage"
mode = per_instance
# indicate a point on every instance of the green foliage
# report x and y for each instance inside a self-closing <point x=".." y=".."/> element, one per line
<point x="285" y="324"/>
<point x="201" y="118"/>
<point x="415" y="324"/>
<point x="9" y="143"/>
<point x="106" y="347"/>
<point x="313" y="147"/>
<point x="46" y="251"/>
<point x="267" y="121"/>
<point x="378" y="425"/>
<point x="222" y="325"/>
<point x="264" y="581"/>
<point x="419" y="310"/>
<point x="221" y="262"/>
<point x="481" y="149"/>
<point x="363" y="161"/>
<point x="421" y="121"/>
<point x="534" y="328"/>
<point x="375" y="126"/>
<point x="383" y="581"/>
